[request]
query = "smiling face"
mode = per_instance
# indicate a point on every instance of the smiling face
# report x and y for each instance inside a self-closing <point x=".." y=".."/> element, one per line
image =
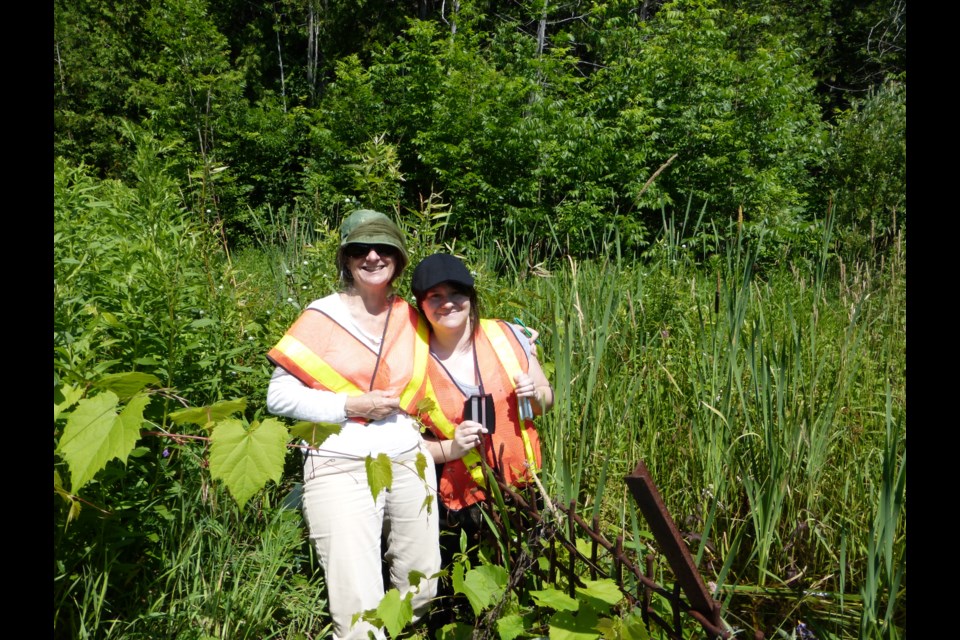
<point x="371" y="266"/>
<point x="448" y="307"/>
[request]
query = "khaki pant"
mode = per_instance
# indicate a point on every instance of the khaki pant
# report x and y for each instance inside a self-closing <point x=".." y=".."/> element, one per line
<point x="346" y="527"/>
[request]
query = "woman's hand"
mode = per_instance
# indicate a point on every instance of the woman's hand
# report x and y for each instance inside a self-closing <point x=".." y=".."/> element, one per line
<point x="540" y="395"/>
<point x="525" y="386"/>
<point x="468" y="435"/>
<point x="375" y="405"/>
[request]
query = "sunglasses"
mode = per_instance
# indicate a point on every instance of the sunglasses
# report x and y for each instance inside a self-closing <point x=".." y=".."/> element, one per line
<point x="360" y="250"/>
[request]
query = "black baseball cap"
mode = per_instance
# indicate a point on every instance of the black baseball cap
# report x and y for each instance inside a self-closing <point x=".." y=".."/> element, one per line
<point x="436" y="269"/>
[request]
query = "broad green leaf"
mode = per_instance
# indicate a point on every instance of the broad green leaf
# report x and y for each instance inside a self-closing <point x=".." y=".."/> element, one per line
<point x="414" y="577"/>
<point x="454" y="631"/>
<point x="566" y="625"/>
<point x="426" y="405"/>
<point x="609" y="628"/>
<point x="314" y="432"/>
<point x="203" y="416"/>
<point x="395" y="612"/>
<point x="421" y="465"/>
<point x="95" y="434"/>
<point x="71" y="395"/>
<point x="634" y="627"/>
<point x="126" y="384"/>
<point x="245" y="459"/>
<point x="510" y="627"/>
<point x="457" y="576"/>
<point x="483" y="585"/>
<point x="379" y="474"/>
<point x="554" y="599"/>
<point x="605" y="591"/>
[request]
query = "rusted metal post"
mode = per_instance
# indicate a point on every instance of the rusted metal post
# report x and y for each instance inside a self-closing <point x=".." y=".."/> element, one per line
<point x="668" y="538"/>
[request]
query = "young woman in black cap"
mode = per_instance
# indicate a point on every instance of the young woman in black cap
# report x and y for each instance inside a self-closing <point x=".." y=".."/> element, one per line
<point x="488" y="386"/>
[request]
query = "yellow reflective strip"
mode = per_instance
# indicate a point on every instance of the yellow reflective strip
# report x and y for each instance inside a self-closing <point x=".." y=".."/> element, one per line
<point x="315" y="366"/>
<point x="421" y="352"/>
<point x="495" y="333"/>
<point x="501" y="345"/>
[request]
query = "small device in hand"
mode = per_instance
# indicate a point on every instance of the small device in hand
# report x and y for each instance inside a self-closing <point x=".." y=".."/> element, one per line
<point x="480" y="409"/>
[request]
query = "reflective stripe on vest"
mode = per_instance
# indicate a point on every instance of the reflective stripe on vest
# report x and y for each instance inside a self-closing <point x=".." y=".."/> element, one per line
<point x="498" y="339"/>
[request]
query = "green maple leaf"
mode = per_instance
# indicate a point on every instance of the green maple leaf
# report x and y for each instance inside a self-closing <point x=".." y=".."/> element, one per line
<point x="314" y="432"/>
<point x="566" y="625"/>
<point x="510" y="627"/>
<point x="395" y="612"/>
<point x="71" y="395"/>
<point x="125" y="385"/>
<point x="633" y="626"/>
<point x="204" y="416"/>
<point x="554" y="599"/>
<point x="95" y="434"/>
<point x="379" y="474"/>
<point x="602" y="594"/>
<point x="245" y="459"/>
<point x="421" y="465"/>
<point x="483" y="585"/>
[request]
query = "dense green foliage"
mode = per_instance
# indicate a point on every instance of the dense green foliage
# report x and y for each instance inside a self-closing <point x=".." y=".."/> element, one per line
<point x="573" y="117"/>
<point x="699" y="204"/>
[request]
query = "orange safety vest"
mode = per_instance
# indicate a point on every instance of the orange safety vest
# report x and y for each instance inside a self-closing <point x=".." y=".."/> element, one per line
<point x="324" y="355"/>
<point x="514" y="447"/>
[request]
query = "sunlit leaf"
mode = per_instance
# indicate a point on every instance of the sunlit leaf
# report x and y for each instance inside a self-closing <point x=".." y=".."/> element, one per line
<point x="395" y="612"/>
<point x="454" y="631"/>
<point x="379" y="474"/>
<point x="315" y="432"/>
<point x="95" y="434"/>
<point x="204" y="416"/>
<point x="421" y="466"/>
<point x="126" y="384"/>
<point x="245" y="459"/>
<point x="483" y="585"/>
<point x="510" y="627"/>
<point x="554" y="599"/>
<point x="633" y="626"/>
<point x="71" y="395"/>
<point x="426" y="405"/>
<point x="566" y="625"/>
<point x="604" y="591"/>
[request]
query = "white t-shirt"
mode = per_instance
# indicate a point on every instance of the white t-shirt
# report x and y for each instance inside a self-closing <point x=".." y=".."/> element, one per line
<point x="288" y="397"/>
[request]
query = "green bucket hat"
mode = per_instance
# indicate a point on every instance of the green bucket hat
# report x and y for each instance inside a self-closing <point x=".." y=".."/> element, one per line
<point x="365" y="226"/>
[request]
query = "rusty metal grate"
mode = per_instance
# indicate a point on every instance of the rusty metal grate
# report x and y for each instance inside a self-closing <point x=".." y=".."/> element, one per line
<point x="556" y="534"/>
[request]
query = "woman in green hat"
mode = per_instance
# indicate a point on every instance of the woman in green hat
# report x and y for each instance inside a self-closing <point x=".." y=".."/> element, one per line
<point x="357" y="358"/>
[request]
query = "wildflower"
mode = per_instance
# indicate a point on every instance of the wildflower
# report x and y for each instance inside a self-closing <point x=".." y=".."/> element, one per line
<point x="166" y="453"/>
